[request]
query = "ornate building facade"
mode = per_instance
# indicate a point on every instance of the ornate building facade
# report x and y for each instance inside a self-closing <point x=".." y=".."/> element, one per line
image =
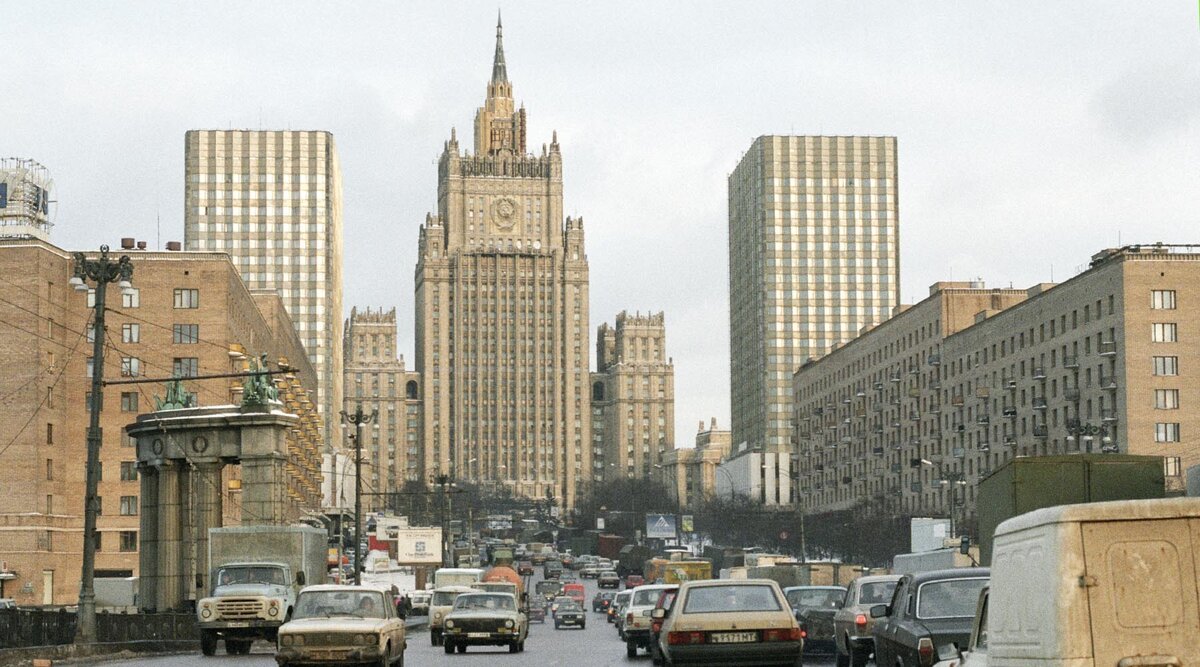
<point x="633" y="398"/>
<point x="502" y="312"/>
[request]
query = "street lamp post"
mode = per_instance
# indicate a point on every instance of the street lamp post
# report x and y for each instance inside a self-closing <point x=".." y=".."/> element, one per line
<point x="101" y="271"/>
<point x="358" y="419"/>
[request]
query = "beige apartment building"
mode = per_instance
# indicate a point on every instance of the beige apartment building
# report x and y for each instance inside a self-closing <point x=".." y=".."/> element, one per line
<point x="502" y="312"/>
<point x="813" y="257"/>
<point x="377" y="381"/>
<point x="691" y="472"/>
<point x="189" y="314"/>
<point x="633" y="398"/>
<point x="272" y="199"/>
<point x="910" y="416"/>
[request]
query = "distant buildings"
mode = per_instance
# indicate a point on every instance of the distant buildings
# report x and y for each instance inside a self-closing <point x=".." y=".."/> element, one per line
<point x="188" y="314"/>
<point x="691" y="473"/>
<point x="377" y="381"/>
<point x="813" y="258"/>
<point x="633" y="398"/>
<point x="908" y="417"/>
<point x="272" y="199"/>
<point x="502" y="313"/>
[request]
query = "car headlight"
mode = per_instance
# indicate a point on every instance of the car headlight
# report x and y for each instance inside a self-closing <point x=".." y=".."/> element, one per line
<point x="449" y="623"/>
<point x="371" y="639"/>
<point x="360" y="640"/>
<point x="205" y="612"/>
<point x="437" y="615"/>
<point x="285" y="640"/>
<point x="273" y="610"/>
<point x="508" y="623"/>
<point x="299" y="640"/>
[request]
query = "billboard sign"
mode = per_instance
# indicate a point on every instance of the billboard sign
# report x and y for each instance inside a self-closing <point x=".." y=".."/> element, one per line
<point x="418" y="545"/>
<point x="660" y="526"/>
<point x="686" y="523"/>
<point x="388" y="527"/>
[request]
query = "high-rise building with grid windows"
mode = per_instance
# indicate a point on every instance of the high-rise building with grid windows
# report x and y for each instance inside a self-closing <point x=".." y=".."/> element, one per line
<point x="813" y="258"/>
<point x="502" y="312"/>
<point x="272" y="199"/>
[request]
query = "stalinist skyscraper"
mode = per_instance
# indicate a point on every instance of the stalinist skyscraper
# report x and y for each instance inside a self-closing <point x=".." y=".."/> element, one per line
<point x="502" y="312"/>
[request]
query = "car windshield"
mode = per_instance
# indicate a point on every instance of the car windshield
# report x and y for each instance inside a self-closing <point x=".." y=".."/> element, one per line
<point x="569" y="606"/>
<point x="828" y="598"/>
<point x="950" y="598"/>
<point x="444" y="598"/>
<point x="730" y="598"/>
<point x="608" y="573"/>
<point x="878" y="592"/>
<point x="484" y="602"/>
<point x="230" y="576"/>
<point x="548" y="587"/>
<point x="321" y="604"/>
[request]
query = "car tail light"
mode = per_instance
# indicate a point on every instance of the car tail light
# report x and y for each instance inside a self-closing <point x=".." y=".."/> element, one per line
<point x="860" y="620"/>
<point x="925" y="651"/>
<point x="629" y="617"/>
<point x="783" y="635"/>
<point x="680" y="638"/>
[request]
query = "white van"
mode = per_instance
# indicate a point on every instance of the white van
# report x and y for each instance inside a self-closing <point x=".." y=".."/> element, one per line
<point x="1095" y="584"/>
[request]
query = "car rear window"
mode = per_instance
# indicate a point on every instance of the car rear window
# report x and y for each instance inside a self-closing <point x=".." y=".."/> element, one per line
<point x="949" y="598"/>
<point x="822" y="598"/>
<point x="732" y="598"/>
<point x="879" y="592"/>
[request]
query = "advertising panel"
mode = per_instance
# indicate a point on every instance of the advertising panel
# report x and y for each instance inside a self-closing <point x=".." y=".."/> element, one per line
<point x="660" y="526"/>
<point x="418" y="545"/>
<point x="388" y="527"/>
<point x="688" y="525"/>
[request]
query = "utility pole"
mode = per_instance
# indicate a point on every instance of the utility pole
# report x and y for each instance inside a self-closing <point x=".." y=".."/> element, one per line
<point x="101" y="271"/>
<point x="358" y="419"/>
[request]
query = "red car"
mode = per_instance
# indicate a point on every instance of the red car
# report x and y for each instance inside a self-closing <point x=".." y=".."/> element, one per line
<point x="634" y="580"/>
<point x="525" y="568"/>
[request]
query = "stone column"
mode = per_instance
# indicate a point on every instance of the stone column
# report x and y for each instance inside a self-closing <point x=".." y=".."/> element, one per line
<point x="148" y="574"/>
<point x="264" y="478"/>
<point x="209" y="512"/>
<point x="170" y="552"/>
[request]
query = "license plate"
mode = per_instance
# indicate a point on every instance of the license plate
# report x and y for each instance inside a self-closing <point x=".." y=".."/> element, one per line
<point x="479" y="635"/>
<point x="733" y="637"/>
<point x="238" y="624"/>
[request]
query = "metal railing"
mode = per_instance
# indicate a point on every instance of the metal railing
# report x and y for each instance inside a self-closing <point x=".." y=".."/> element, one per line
<point x="21" y="628"/>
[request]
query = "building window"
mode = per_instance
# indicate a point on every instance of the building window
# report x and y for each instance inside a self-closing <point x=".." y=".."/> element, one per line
<point x="131" y="366"/>
<point x="1166" y="432"/>
<point x="129" y="505"/>
<point x="1172" y="466"/>
<point x="49" y="469"/>
<point x="187" y="298"/>
<point x="99" y="542"/>
<point x="1166" y="399"/>
<point x="49" y="434"/>
<point x="1166" y="365"/>
<point x="185" y="367"/>
<point x="131" y="333"/>
<point x="1162" y="299"/>
<point x="129" y="471"/>
<point x="132" y="299"/>
<point x="129" y="401"/>
<point x="129" y="540"/>
<point x="1165" y="332"/>
<point x="185" y="334"/>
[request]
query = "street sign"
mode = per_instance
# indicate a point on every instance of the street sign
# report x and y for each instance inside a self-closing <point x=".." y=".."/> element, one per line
<point x="600" y="523"/>
<point x="660" y="526"/>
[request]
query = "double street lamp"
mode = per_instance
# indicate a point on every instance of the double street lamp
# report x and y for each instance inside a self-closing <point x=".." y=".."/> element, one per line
<point x="101" y="271"/>
<point x="359" y="419"/>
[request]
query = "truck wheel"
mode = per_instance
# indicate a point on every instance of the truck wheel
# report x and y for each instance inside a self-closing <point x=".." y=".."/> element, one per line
<point x="462" y="648"/>
<point x="856" y="658"/>
<point x="840" y="658"/>
<point x="435" y="638"/>
<point x="449" y="647"/>
<point x="521" y="646"/>
<point x="208" y="642"/>
<point x="630" y="649"/>
<point x="512" y="648"/>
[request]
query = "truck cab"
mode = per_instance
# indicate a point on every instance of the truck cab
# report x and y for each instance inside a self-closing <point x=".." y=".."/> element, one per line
<point x="249" y="601"/>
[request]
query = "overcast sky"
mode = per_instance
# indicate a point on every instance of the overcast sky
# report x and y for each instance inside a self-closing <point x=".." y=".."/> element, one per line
<point x="1030" y="134"/>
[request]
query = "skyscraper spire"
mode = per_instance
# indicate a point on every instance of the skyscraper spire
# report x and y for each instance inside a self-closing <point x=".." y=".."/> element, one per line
<point x="499" y="72"/>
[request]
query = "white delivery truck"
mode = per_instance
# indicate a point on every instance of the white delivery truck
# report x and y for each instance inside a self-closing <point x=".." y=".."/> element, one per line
<point x="1091" y="585"/>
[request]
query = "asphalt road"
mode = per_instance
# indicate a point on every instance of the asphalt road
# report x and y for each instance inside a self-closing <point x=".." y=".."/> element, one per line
<point x="596" y="645"/>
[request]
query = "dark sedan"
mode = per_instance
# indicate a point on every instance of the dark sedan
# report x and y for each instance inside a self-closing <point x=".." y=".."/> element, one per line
<point x="602" y="600"/>
<point x="928" y="610"/>
<point x="814" y="607"/>
<point x="570" y="615"/>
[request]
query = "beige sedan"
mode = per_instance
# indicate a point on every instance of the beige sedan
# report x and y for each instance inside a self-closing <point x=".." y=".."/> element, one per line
<point x="730" y="622"/>
<point x="342" y="625"/>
